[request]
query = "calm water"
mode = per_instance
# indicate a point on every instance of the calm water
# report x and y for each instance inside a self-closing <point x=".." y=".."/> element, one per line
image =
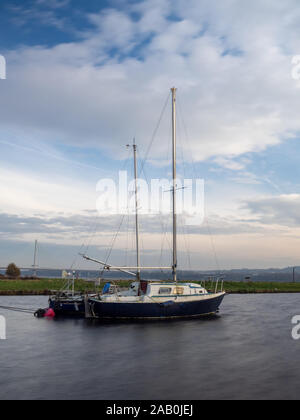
<point x="246" y="353"/>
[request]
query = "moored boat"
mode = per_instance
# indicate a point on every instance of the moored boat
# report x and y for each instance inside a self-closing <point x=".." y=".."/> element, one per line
<point x="68" y="302"/>
<point x="67" y="305"/>
<point x="152" y="299"/>
<point x="159" y="300"/>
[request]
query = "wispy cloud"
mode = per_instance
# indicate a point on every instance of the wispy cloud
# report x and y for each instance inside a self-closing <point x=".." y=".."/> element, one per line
<point x="41" y="11"/>
<point x="281" y="210"/>
<point x="53" y="4"/>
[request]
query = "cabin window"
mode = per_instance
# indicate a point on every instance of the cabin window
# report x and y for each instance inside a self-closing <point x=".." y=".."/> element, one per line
<point x="165" y="291"/>
<point x="178" y="290"/>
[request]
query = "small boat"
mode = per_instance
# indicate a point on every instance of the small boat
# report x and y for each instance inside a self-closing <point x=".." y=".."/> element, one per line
<point x="155" y="299"/>
<point x="68" y="302"/>
<point x="64" y="304"/>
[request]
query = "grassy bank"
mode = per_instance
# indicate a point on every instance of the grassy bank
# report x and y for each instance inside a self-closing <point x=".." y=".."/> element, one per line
<point x="46" y="286"/>
<point x="39" y="287"/>
<point x="261" y="287"/>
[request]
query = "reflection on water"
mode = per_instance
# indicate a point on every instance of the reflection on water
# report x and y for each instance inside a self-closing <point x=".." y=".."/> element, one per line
<point x="246" y="352"/>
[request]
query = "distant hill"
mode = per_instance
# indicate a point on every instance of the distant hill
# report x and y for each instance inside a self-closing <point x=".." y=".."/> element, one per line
<point x="256" y="275"/>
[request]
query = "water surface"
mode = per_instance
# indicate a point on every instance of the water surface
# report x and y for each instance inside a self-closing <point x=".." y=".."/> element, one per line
<point x="245" y="353"/>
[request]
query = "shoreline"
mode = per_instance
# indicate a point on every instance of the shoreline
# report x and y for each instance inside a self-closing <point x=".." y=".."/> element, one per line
<point x="236" y="292"/>
<point x="47" y="287"/>
<point x="230" y="293"/>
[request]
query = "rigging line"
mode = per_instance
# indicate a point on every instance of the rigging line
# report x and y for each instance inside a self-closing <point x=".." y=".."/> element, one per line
<point x="184" y="229"/>
<point x="163" y="226"/>
<point x="127" y="240"/>
<point x="181" y="148"/>
<point x="155" y="132"/>
<point x="213" y="245"/>
<point x="142" y="166"/>
<point x="185" y="235"/>
<point x="195" y="177"/>
<point x="142" y="249"/>
<point x="167" y="231"/>
<point x="266" y="180"/>
<point x="92" y="234"/>
<point x="143" y="170"/>
<point x="108" y="255"/>
<point x="162" y="250"/>
<point x="132" y="256"/>
<point x="188" y="247"/>
<point x="180" y="114"/>
<point x="85" y="241"/>
<point x="119" y="228"/>
<point x="73" y="265"/>
<point x="164" y="239"/>
<point x="114" y="239"/>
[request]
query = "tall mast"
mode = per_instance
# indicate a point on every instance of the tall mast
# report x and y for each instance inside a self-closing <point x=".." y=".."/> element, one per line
<point x="174" y="266"/>
<point x="138" y="259"/>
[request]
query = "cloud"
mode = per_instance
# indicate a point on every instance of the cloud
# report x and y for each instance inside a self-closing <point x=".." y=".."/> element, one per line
<point x="72" y="234"/>
<point x="281" y="210"/>
<point x="18" y="225"/>
<point x="70" y="226"/>
<point x="234" y="242"/>
<point x="230" y="164"/>
<point x="101" y="90"/>
<point x="115" y="28"/>
<point x="53" y="4"/>
<point x="42" y="12"/>
<point x="247" y="178"/>
<point x="25" y="193"/>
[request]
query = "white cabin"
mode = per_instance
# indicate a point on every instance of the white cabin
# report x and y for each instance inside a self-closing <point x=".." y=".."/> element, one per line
<point x="159" y="292"/>
<point x="170" y="289"/>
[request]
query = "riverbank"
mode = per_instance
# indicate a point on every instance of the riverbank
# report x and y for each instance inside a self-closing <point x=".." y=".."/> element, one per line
<point x="39" y="287"/>
<point x="45" y="287"/>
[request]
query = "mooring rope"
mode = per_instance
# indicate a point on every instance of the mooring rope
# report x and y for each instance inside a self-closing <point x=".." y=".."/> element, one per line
<point x="15" y="309"/>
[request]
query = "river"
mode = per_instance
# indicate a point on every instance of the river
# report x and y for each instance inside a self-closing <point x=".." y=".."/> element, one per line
<point x="245" y="353"/>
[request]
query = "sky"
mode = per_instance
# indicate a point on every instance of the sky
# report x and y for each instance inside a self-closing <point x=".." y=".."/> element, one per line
<point x="83" y="78"/>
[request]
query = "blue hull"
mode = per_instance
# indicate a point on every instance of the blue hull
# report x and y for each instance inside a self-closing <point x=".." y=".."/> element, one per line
<point x="67" y="307"/>
<point x="168" y="310"/>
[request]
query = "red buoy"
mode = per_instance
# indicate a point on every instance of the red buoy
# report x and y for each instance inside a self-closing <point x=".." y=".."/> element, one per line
<point x="49" y="313"/>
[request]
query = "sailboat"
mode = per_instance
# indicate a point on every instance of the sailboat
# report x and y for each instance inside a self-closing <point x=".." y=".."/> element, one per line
<point x="68" y="301"/>
<point x="155" y="299"/>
